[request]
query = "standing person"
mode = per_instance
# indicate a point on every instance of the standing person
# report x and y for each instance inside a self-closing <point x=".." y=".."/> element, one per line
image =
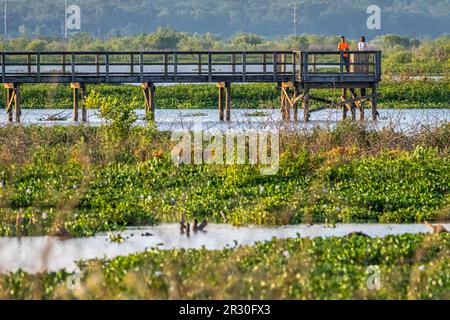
<point x="344" y="46"/>
<point x="363" y="59"/>
<point x="362" y="45"/>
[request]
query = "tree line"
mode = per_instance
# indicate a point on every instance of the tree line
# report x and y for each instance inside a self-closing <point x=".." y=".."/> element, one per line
<point x="401" y="54"/>
<point x="112" y="18"/>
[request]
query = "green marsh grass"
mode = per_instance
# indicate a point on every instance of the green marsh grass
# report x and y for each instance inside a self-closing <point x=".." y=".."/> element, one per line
<point x="90" y="180"/>
<point x="411" y="267"/>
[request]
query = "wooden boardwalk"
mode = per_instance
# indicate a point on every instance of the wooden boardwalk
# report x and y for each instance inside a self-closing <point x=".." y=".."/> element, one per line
<point x="295" y="74"/>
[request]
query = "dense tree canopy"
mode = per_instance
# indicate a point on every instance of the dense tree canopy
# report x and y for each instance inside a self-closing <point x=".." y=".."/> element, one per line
<point x="106" y="18"/>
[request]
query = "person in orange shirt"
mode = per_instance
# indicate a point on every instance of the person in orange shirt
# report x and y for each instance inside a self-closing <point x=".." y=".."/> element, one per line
<point x="344" y="46"/>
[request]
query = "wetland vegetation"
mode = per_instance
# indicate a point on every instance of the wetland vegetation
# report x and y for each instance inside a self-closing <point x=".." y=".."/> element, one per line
<point x="79" y="181"/>
<point x="87" y="180"/>
<point x="411" y="267"/>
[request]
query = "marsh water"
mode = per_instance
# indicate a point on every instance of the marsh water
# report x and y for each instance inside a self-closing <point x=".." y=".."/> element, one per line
<point x="38" y="254"/>
<point x="181" y="119"/>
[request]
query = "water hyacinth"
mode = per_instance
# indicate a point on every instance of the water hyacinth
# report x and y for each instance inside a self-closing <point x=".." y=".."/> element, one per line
<point x="399" y="182"/>
<point x="308" y="269"/>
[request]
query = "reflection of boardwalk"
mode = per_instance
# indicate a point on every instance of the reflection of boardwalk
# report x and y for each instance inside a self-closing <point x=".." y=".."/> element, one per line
<point x="294" y="73"/>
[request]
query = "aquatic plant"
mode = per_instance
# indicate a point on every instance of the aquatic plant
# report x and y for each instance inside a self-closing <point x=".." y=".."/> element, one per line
<point x="410" y="267"/>
<point x="88" y="183"/>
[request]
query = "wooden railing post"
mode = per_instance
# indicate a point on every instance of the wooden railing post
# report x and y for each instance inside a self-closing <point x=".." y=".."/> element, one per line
<point x="29" y="64"/>
<point x="199" y="62"/>
<point x="294" y="67"/>
<point x="275" y="58"/>
<point x="72" y="62"/>
<point x="175" y="67"/>
<point x="314" y="65"/>
<point x="378" y="66"/>
<point x="166" y="64"/>
<point x="209" y="66"/>
<point x="107" y="66"/>
<point x="63" y="64"/>
<point x="3" y="67"/>
<point x="244" y="66"/>
<point x="97" y="64"/>
<point x="233" y="63"/>
<point x="141" y="66"/>
<point x="38" y="67"/>
<point x="305" y="66"/>
<point x="264" y="60"/>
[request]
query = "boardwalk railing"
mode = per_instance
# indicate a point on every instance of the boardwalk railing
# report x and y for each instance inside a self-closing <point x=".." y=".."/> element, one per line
<point x="338" y="66"/>
<point x="118" y="67"/>
<point x="187" y="67"/>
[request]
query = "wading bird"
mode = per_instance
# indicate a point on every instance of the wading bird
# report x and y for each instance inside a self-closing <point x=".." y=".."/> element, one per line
<point x="436" y="229"/>
<point x="201" y="226"/>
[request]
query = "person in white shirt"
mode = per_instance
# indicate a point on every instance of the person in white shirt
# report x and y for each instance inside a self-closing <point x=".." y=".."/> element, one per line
<point x="362" y="45"/>
<point x="364" y="59"/>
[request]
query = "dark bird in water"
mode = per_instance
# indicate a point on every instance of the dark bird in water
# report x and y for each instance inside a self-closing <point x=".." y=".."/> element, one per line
<point x="201" y="226"/>
<point x="358" y="234"/>
<point x="147" y="234"/>
<point x="195" y="226"/>
<point x="188" y="229"/>
<point x="183" y="224"/>
<point x="437" y="229"/>
<point x="62" y="233"/>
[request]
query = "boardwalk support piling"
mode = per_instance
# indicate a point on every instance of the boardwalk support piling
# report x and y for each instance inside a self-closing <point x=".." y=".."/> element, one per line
<point x="306" y="113"/>
<point x="290" y="97"/>
<point x="83" y="96"/>
<point x="228" y="101"/>
<point x="358" y="103"/>
<point x="286" y="101"/>
<point x="149" y="90"/>
<point x="345" y="105"/>
<point x="76" y="86"/>
<point x="221" y="87"/>
<point x="224" y="101"/>
<point x="373" y="102"/>
<point x="296" y="94"/>
<point x="13" y="101"/>
<point x="353" y="104"/>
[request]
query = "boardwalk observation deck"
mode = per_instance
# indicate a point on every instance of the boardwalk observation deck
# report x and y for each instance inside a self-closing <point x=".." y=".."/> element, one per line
<point x="290" y="70"/>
